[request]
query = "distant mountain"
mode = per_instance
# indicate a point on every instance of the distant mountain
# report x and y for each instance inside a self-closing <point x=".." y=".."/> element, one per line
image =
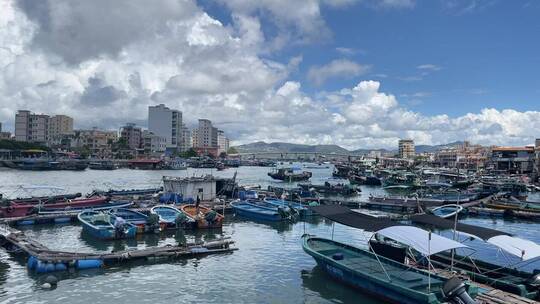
<point x="431" y="149"/>
<point x="261" y="146"/>
<point x="282" y="147"/>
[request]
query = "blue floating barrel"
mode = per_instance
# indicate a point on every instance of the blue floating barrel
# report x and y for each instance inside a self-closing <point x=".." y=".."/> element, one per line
<point x="25" y="222"/>
<point x="32" y="262"/>
<point x="44" y="267"/>
<point x="88" y="264"/>
<point x="60" y="267"/>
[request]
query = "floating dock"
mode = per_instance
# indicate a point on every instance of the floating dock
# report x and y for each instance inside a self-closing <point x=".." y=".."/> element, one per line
<point x="43" y="259"/>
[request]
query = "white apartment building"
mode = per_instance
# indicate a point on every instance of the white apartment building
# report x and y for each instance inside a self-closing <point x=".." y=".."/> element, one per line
<point x="207" y="134"/>
<point x="186" y="142"/>
<point x="406" y="148"/>
<point x="222" y="141"/>
<point x="31" y="127"/>
<point x="59" y="127"/>
<point x="153" y="143"/>
<point x="166" y="123"/>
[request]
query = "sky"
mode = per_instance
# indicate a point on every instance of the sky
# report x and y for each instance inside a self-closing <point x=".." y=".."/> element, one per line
<point x="356" y="73"/>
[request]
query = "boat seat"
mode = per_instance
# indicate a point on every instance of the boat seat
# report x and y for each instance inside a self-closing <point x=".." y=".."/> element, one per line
<point x="406" y="277"/>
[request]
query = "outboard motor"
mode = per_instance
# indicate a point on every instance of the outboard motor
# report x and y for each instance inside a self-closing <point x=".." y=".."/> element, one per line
<point x="120" y="227"/>
<point x="455" y="291"/>
<point x="534" y="280"/>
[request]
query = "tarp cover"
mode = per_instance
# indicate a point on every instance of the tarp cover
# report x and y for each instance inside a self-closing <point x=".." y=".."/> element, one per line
<point x="521" y="248"/>
<point x="481" y="232"/>
<point x="419" y="239"/>
<point x="346" y="216"/>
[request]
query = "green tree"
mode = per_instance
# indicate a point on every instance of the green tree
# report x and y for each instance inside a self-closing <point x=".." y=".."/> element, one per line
<point x="189" y="153"/>
<point x="232" y="150"/>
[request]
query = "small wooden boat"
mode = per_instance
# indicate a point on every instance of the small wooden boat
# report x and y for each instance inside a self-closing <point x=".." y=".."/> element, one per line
<point x="205" y="218"/>
<point x="106" y="226"/>
<point x="362" y="269"/>
<point x="23" y="209"/>
<point x="170" y="217"/>
<point x="300" y="208"/>
<point x="447" y="211"/>
<point x="289" y="175"/>
<point x="143" y="222"/>
<point x="103" y="207"/>
<point x="256" y="210"/>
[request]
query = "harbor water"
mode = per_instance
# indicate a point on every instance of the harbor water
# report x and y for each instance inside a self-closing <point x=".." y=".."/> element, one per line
<point x="269" y="267"/>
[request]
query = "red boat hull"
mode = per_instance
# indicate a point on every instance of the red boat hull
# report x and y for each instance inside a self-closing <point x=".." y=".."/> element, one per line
<point x="18" y="210"/>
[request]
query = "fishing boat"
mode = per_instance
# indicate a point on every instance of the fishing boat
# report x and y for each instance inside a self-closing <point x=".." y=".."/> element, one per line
<point x="290" y="174"/>
<point x="143" y="222"/>
<point x="379" y="275"/>
<point x="504" y="277"/>
<point x="203" y="216"/>
<point x="23" y="209"/>
<point x="266" y="212"/>
<point x="106" y="206"/>
<point x="126" y="192"/>
<point x="102" y="165"/>
<point x="396" y="282"/>
<point x="171" y="217"/>
<point x="106" y="226"/>
<point x="447" y="211"/>
<point x="302" y="210"/>
<point x="331" y="189"/>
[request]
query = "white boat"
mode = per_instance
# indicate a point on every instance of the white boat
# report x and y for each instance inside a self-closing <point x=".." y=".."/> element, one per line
<point x="447" y="211"/>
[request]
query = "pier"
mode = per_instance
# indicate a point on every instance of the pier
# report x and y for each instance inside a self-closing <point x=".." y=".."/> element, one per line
<point x="43" y="254"/>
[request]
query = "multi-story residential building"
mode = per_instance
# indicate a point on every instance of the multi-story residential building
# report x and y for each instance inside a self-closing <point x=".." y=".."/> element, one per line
<point x="132" y="135"/>
<point x="41" y="128"/>
<point x="207" y="138"/>
<point x="60" y="126"/>
<point x="194" y="138"/>
<point x="99" y="142"/>
<point x="153" y="143"/>
<point x="222" y="142"/>
<point x="4" y="135"/>
<point x="406" y="148"/>
<point x="31" y="127"/>
<point x="186" y="141"/>
<point x="166" y="123"/>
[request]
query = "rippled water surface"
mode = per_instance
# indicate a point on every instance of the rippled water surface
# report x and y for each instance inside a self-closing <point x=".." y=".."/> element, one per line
<point x="269" y="267"/>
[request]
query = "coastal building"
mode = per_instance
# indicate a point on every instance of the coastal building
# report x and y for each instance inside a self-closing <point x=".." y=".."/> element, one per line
<point x="132" y="135"/>
<point x="406" y="148"/>
<point x="194" y="138"/>
<point x="207" y="138"/>
<point x="222" y="142"/>
<point x="42" y="128"/>
<point x="166" y="123"/>
<point x="30" y="127"/>
<point x="60" y="126"/>
<point x="185" y="142"/>
<point x="5" y="135"/>
<point x="520" y="160"/>
<point x="98" y="142"/>
<point x="153" y="143"/>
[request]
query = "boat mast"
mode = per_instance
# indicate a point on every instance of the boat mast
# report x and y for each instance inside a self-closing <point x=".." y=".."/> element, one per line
<point x="455" y="228"/>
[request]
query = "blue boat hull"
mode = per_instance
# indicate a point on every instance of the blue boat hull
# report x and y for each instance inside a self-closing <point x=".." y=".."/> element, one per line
<point x="258" y="216"/>
<point x="368" y="286"/>
<point x="109" y="234"/>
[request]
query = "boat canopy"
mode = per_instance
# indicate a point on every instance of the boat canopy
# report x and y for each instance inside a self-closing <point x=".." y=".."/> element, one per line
<point x="521" y="248"/>
<point x="414" y="237"/>
<point x="419" y="239"/>
<point x="441" y="223"/>
<point x="346" y="216"/>
<point x="524" y="249"/>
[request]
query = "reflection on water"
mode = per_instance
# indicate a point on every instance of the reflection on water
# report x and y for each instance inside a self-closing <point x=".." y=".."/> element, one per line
<point x="269" y="267"/>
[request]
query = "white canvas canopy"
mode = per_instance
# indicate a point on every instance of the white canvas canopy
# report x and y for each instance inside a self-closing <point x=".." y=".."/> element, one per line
<point x="521" y="248"/>
<point x="419" y="239"/>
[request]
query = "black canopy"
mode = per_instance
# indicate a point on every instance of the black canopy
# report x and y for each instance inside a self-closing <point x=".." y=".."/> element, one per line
<point x="441" y="223"/>
<point x="346" y="216"/>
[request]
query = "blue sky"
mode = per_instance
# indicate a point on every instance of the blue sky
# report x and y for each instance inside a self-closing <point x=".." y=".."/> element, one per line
<point x="357" y="73"/>
<point x="483" y="53"/>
